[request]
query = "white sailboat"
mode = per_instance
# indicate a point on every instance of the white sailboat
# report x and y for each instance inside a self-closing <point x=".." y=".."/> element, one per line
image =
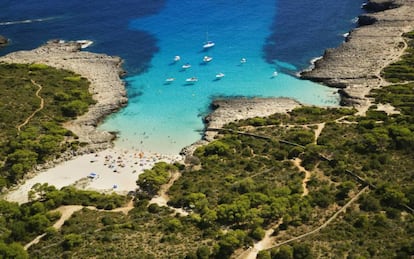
<point x="208" y="43"/>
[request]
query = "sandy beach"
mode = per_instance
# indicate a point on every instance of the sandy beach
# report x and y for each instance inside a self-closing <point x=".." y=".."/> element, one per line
<point x="111" y="170"/>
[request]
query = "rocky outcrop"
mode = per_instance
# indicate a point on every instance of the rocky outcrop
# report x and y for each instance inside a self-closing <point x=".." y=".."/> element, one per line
<point x="230" y="110"/>
<point x="101" y="70"/>
<point x="380" y="5"/>
<point x="3" y="41"/>
<point x="234" y="109"/>
<point x="355" y="65"/>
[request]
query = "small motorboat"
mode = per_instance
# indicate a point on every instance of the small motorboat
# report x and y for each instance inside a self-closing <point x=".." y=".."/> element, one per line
<point x="207" y="59"/>
<point x="275" y="74"/>
<point x="84" y="43"/>
<point x="169" y="80"/>
<point x="191" y="79"/>
<point x="177" y="58"/>
<point x="185" y="66"/>
<point x="243" y="60"/>
<point x="219" y="75"/>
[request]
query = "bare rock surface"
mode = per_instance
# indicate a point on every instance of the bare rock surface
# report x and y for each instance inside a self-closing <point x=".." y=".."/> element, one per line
<point x="356" y="64"/>
<point x="230" y="110"/>
<point x="101" y="70"/>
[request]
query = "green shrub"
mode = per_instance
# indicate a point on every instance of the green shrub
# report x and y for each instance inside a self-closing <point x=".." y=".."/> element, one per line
<point x="71" y="240"/>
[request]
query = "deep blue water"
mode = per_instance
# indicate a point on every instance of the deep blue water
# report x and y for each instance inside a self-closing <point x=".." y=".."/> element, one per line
<point x="147" y="34"/>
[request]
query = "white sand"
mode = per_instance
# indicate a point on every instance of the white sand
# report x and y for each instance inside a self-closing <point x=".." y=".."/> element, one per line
<point x="116" y="171"/>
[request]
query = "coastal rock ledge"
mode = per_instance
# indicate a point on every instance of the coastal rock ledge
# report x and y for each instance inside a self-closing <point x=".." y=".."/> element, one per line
<point x="234" y="109"/>
<point x="101" y="70"/>
<point x="355" y="66"/>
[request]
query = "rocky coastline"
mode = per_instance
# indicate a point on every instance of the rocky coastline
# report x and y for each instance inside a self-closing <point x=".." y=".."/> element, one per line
<point x="230" y="110"/>
<point x="101" y="70"/>
<point x="355" y="66"/>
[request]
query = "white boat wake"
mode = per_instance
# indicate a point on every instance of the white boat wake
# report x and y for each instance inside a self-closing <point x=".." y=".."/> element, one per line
<point x="27" y="21"/>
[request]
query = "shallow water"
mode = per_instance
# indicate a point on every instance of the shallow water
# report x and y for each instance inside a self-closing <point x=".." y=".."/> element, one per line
<point x="272" y="36"/>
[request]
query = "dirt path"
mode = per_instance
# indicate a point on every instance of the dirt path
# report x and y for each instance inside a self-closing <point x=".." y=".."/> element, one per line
<point x="334" y="216"/>
<point x="297" y="162"/>
<point x="67" y="212"/>
<point x="318" y="131"/>
<point x="268" y="240"/>
<point x="125" y="209"/>
<point x="263" y="244"/>
<point x="163" y="198"/>
<point x="42" y="104"/>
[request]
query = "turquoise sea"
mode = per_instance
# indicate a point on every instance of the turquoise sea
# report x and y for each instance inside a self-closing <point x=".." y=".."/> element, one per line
<point x="272" y="35"/>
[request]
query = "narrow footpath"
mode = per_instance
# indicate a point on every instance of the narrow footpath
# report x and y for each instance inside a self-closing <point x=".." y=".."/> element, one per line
<point x="42" y="104"/>
<point x="163" y="198"/>
<point x="268" y="240"/>
<point x="67" y="212"/>
<point x="297" y="162"/>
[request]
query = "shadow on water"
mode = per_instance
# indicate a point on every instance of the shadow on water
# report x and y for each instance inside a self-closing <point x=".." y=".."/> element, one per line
<point x="292" y="44"/>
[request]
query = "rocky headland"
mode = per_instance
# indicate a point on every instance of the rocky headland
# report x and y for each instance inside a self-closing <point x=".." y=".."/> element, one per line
<point x="355" y="66"/>
<point x="101" y="70"/>
<point x="230" y="110"/>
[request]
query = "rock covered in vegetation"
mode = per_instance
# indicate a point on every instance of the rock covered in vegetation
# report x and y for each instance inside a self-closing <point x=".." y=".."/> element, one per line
<point x="230" y="110"/>
<point x="3" y="41"/>
<point x="356" y="64"/>
<point x="101" y="70"/>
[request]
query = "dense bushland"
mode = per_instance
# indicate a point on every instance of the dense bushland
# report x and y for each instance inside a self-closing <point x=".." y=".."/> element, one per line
<point x="65" y="96"/>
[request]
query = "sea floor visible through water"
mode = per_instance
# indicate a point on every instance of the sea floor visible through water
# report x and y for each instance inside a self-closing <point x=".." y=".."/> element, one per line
<point x="166" y="116"/>
<point x="163" y="117"/>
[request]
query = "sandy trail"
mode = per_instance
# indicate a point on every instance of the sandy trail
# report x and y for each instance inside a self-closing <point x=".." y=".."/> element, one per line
<point x="327" y="222"/>
<point x="163" y="198"/>
<point x="268" y="241"/>
<point x="67" y="212"/>
<point x="318" y="131"/>
<point x="297" y="162"/>
<point x="41" y="106"/>
<point x="263" y="244"/>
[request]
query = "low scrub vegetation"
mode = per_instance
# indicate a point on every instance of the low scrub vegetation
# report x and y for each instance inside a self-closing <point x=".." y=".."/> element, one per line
<point x="65" y="96"/>
<point x="248" y="181"/>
